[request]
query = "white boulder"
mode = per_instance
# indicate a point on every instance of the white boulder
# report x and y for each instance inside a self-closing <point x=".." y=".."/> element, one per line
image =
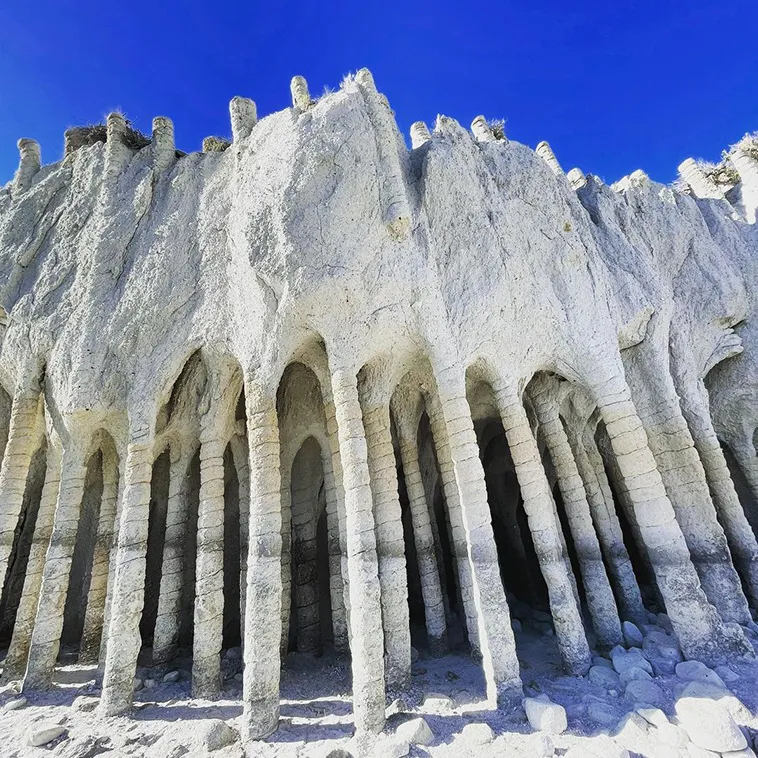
<point x="544" y="715"/>
<point x="709" y="725"/>
<point x="416" y="732"/>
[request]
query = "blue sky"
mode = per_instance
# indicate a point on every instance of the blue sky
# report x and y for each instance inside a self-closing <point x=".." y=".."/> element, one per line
<point x="613" y="86"/>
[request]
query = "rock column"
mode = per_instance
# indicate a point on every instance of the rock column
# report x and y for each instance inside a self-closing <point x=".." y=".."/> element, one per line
<point x="209" y="572"/>
<point x="23" y="437"/>
<point x="15" y="661"/>
<point x="390" y="543"/>
<point x="431" y="589"/>
<point x="89" y="650"/>
<point x="168" y="617"/>
<point x="264" y="569"/>
<point x="540" y="511"/>
<point x="366" y="636"/>
<point x="128" y="589"/>
<point x="242" y="465"/>
<point x="48" y="624"/>
<point x="611" y="539"/>
<point x="496" y="641"/>
<point x="600" y="600"/>
<point x="701" y="633"/>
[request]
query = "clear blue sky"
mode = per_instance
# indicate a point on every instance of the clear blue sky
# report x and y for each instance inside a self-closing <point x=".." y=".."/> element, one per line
<point x="613" y="86"/>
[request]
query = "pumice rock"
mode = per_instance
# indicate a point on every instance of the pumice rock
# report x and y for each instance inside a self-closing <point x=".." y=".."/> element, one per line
<point x="310" y="390"/>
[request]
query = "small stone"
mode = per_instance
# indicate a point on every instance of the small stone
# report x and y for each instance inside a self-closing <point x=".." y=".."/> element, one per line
<point x="640" y="691"/>
<point x="695" y="671"/>
<point x="603" y="677"/>
<point x="709" y="725"/>
<point x="632" y="635"/>
<point x="15" y="704"/>
<point x="544" y="715"/>
<point x="414" y="655"/>
<point x="516" y="626"/>
<point x="478" y="734"/>
<point x="626" y="659"/>
<point x="46" y="735"/>
<point x="598" y="660"/>
<point x="85" y="703"/>
<point x="634" y="674"/>
<point x="171" y="677"/>
<point x="436" y="702"/>
<point x="149" y="684"/>
<point x="416" y="731"/>
<point x="218" y="734"/>
<point x="233" y="654"/>
<point x="238" y="677"/>
<point x="602" y="713"/>
<point x="137" y="684"/>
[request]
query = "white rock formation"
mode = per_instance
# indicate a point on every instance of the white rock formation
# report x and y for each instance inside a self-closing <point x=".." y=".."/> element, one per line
<point x="235" y="382"/>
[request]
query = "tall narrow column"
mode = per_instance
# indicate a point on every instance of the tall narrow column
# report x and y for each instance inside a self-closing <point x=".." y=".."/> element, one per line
<point x="94" y="617"/>
<point x="366" y="636"/>
<point x="600" y="600"/>
<point x="14" y="664"/>
<point x="540" y="511"/>
<point x="128" y="590"/>
<point x="455" y="520"/>
<point x="611" y="539"/>
<point x="390" y="544"/>
<point x="209" y="572"/>
<point x="264" y="569"/>
<point x="48" y="624"/>
<point x="423" y="538"/>
<point x="496" y="641"/>
<point x="742" y="541"/>
<point x="336" y="585"/>
<point x="701" y="633"/>
<point x="23" y="436"/>
<point x="168" y="617"/>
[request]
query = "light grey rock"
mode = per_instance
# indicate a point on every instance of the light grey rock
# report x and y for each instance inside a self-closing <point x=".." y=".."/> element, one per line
<point x="654" y="716"/>
<point x="598" y="660"/>
<point x="85" y="703"/>
<point x="392" y="747"/>
<point x="709" y="725"/>
<point x="695" y="671"/>
<point x="671" y="735"/>
<point x="45" y="735"/>
<point x="641" y="691"/>
<point x="398" y="705"/>
<point x="137" y="684"/>
<point x="634" y="673"/>
<point x="626" y="659"/>
<point x="602" y="713"/>
<point x="218" y="734"/>
<point x="727" y="675"/>
<point x="632" y="635"/>
<point x="478" y="734"/>
<point x="434" y="702"/>
<point x="416" y="732"/>
<point x="544" y="715"/>
<point x="16" y="704"/>
<point x="745" y="753"/>
<point x="739" y="712"/>
<point x="171" y="677"/>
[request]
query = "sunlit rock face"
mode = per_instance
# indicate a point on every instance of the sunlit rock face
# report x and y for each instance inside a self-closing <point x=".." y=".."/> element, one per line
<point x="313" y="390"/>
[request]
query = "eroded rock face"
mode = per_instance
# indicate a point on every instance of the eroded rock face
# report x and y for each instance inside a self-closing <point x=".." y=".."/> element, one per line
<point x="236" y="383"/>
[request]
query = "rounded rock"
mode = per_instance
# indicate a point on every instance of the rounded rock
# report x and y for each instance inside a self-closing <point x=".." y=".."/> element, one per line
<point x="709" y="725"/>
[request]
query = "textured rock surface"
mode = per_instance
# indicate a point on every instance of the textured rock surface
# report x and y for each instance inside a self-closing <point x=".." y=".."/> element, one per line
<point x="315" y="390"/>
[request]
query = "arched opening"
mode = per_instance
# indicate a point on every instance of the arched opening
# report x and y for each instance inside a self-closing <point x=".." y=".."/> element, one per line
<point x="22" y="542"/>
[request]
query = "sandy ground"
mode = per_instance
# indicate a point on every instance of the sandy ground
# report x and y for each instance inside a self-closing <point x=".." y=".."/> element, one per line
<point x="316" y="711"/>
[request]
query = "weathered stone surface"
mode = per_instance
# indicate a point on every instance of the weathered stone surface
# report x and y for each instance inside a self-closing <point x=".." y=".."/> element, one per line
<point x="45" y="735"/>
<point x="544" y="715"/>
<point x="478" y="734"/>
<point x="709" y="725"/>
<point x="604" y="677"/>
<point x="15" y="704"/>
<point x="218" y="734"/>
<point x="694" y="671"/>
<point x="416" y="732"/>
<point x="627" y="659"/>
<point x="632" y="635"/>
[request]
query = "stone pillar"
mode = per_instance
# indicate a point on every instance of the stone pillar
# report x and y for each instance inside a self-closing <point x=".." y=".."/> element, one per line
<point x="89" y="649"/>
<point x="336" y="585"/>
<point x="540" y="511"/>
<point x="496" y="642"/>
<point x="48" y="624"/>
<point x="15" y="661"/>
<point x="209" y="571"/>
<point x="701" y="633"/>
<point x="168" y="617"/>
<point x="699" y="182"/>
<point x="23" y="437"/>
<point x="458" y="542"/>
<point x="128" y="589"/>
<point x="423" y="538"/>
<point x="546" y="153"/>
<point x="740" y="536"/>
<point x="390" y="545"/>
<point x="600" y="600"/>
<point x="244" y="116"/>
<point x="366" y="636"/>
<point x="30" y="160"/>
<point x="264" y="569"/>
<point x="611" y="538"/>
